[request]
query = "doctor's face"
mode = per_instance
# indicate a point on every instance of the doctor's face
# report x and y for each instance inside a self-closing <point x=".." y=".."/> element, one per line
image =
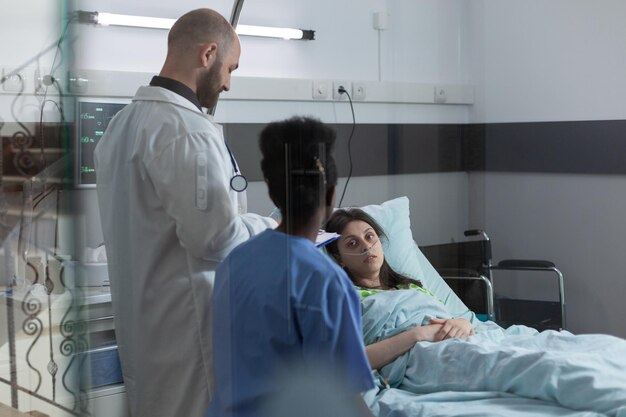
<point x="217" y="78"/>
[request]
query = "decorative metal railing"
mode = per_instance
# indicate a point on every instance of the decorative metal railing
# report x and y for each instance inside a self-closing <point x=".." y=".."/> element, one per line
<point x="46" y="339"/>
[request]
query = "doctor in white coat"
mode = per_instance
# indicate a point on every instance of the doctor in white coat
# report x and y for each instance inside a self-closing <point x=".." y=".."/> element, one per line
<point x="172" y="207"/>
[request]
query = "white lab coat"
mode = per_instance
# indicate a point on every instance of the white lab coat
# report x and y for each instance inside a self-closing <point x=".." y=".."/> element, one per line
<point x="167" y="223"/>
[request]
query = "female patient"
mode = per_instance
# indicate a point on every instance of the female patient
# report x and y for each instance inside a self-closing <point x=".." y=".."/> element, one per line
<point x="278" y="301"/>
<point x="400" y="319"/>
<point x="359" y="252"/>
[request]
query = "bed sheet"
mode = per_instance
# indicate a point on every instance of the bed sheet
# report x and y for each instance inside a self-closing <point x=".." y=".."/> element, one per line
<point x="393" y="402"/>
<point x="577" y="372"/>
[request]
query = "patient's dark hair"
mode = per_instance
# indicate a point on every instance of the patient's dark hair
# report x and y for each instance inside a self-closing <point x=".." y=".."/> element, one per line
<point x="339" y="220"/>
<point x="312" y="169"/>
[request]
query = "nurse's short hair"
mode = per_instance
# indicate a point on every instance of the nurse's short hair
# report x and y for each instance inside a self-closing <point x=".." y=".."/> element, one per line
<point x="310" y="170"/>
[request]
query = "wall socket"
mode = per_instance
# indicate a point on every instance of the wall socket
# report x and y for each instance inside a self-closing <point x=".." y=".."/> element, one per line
<point x="320" y="89"/>
<point x="358" y="91"/>
<point x="347" y="85"/>
<point x="440" y="94"/>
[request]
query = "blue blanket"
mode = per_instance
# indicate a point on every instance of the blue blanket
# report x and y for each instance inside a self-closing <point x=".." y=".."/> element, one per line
<point x="577" y="372"/>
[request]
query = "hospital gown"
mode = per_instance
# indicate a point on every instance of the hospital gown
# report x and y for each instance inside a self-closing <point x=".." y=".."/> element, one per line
<point x="280" y="302"/>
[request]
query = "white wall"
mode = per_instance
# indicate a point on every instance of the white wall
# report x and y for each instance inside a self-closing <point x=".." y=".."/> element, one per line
<point x="27" y="30"/>
<point x="548" y="60"/>
<point x="558" y="60"/>
<point x="425" y="42"/>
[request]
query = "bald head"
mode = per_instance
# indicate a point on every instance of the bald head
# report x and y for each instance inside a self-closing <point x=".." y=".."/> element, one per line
<point x="202" y="52"/>
<point x="199" y="27"/>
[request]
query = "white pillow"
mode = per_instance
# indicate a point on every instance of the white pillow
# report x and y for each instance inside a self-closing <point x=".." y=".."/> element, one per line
<point x="404" y="256"/>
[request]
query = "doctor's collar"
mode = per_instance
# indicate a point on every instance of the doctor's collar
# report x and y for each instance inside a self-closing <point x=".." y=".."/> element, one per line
<point x="176" y="87"/>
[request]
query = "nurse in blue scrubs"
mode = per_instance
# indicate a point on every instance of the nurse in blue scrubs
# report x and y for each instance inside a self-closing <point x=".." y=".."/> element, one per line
<point x="279" y="301"/>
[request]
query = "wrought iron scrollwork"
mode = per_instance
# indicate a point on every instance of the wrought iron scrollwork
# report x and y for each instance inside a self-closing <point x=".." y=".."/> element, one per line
<point x="32" y="326"/>
<point x="74" y="346"/>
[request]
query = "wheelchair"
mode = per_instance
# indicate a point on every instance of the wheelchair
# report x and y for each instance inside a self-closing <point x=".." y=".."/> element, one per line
<point x="468" y="269"/>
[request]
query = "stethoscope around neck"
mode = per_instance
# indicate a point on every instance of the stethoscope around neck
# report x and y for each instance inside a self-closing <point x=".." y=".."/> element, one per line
<point x="238" y="182"/>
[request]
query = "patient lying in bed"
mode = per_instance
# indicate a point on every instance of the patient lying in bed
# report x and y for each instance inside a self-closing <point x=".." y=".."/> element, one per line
<point x="416" y="344"/>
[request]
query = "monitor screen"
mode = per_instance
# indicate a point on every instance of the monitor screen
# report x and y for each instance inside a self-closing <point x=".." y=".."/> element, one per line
<point x="93" y="118"/>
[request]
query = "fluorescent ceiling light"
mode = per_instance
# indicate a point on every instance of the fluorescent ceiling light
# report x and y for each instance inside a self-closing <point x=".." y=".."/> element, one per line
<point x="268" y="32"/>
<point x="112" y="19"/>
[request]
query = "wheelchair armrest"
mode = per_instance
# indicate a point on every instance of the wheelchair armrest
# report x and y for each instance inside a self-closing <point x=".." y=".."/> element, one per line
<point x="525" y="263"/>
<point x="458" y="273"/>
<point x="535" y="265"/>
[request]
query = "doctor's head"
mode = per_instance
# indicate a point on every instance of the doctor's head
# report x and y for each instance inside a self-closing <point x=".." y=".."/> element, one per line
<point x="299" y="169"/>
<point x="202" y="52"/>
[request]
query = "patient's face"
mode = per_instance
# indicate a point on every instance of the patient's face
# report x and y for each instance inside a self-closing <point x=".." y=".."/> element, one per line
<point x="356" y="238"/>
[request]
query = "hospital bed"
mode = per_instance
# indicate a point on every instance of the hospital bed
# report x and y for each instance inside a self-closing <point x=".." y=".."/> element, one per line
<point x="467" y="267"/>
<point x="404" y="255"/>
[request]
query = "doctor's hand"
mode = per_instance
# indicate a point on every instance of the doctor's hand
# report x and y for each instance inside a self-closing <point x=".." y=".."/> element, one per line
<point x="453" y="328"/>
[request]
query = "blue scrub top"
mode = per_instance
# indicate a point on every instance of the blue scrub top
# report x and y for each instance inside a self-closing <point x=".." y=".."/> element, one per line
<point x="279" y="302"/>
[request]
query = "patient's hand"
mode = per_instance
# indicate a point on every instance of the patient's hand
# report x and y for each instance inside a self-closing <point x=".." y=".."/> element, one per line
<point x="427" y="333"/>
<point x="452" y="328"/>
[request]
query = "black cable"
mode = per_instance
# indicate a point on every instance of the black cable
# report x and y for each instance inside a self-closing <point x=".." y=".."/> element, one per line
<point x="343" y="91"/>
<point x="26" y="131"/>
<point x="59" y="107"/>
<point x="58" y="47"/>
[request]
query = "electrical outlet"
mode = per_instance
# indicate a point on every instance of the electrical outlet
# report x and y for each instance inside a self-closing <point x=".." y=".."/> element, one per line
<point x="358" y="91"/>
<point x="347" y="85"/>
<point x="320" y="89"/>
<point x="12" y="81"/>
<point x="381" y="20"/>
<point x="440" y="94"/>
